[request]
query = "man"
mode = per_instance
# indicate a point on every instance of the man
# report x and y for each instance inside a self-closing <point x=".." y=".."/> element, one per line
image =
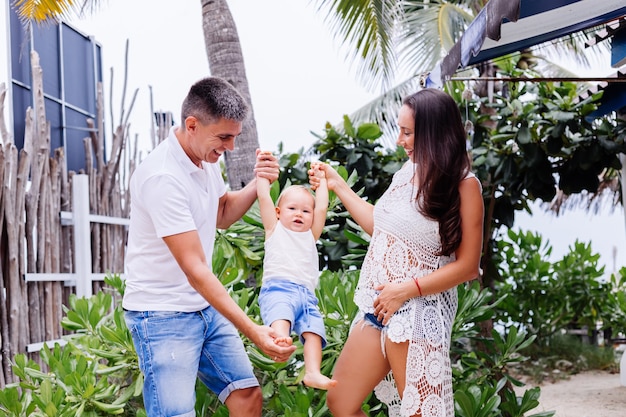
<point x="183" y="322"/>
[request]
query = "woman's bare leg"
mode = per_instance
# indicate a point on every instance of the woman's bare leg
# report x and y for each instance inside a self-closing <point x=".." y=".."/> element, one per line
<point x="360" y="367"/>
<point x="396" y="354"/>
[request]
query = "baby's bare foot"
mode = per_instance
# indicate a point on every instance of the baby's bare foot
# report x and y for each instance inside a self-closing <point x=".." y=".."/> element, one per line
<point x="317" y="380"/>
<point x="283" y="341"/>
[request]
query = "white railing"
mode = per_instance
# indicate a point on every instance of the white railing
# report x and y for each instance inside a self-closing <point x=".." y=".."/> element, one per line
<point x="81" y="219"/>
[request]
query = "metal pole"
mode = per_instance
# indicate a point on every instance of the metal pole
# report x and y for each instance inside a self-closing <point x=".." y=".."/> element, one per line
<point x="82" y="235"/>
<point x="544" y="79"/>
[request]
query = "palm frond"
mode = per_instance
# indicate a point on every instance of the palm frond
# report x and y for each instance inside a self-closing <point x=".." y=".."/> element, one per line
<point x="429" y="31"/>
<point x="41" y="11"/>
<point x="367" y="27"/>
<point x="453" y="20"/>
<point x="383" y="110"/>
<point x="573" y="46"/>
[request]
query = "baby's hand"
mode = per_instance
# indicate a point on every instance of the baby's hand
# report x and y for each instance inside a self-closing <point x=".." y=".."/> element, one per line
<point x="264" y="155"/>
<point x="317" y="174"/>
<point x="317" y="170"/>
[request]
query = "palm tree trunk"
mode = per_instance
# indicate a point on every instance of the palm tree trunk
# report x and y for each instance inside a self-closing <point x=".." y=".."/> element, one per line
<point x="226" y="61"/>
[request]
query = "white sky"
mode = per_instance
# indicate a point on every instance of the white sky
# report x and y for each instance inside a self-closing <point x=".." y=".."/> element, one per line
<point x="298" y="80"/>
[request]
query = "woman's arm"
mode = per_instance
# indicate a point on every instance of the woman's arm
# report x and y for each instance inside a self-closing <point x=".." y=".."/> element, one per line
<point x="361" y="211"/>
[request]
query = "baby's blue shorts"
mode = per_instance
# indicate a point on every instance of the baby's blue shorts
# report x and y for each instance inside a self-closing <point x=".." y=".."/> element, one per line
<point x="280" y="299"/>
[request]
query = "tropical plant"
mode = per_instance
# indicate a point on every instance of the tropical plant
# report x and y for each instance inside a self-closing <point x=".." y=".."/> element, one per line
<point x="97" y="373"/>
<point x="538" y="141"/>
<point x="551" y="297"/>
<point x="393" y="42"/>
<point x="483" y="385"/>
<point x="360" y="159"/>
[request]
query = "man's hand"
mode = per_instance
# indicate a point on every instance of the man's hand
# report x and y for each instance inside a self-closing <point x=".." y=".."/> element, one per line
<point x="266" y="165"/>
<point x="264" y="338"/>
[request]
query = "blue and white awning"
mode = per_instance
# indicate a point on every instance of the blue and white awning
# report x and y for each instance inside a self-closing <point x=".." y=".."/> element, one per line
<point x="506" y="26"/>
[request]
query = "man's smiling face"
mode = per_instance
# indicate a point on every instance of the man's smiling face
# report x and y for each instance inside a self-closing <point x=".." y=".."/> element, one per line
<point x="211" y="140"/>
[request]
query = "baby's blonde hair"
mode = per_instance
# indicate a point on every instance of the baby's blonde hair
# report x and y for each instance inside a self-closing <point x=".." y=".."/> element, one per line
<point x="292" y="188"/>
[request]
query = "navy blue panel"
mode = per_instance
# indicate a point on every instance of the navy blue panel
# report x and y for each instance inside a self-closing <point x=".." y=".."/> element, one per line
<point x="46" y="41"/>
<point x="613" y="99"/>
<point x="55" y="116"/>
<point x="98" y="63"/>
<point x="70" y="76"/>
<point x="75" y="134"/>
<point x="532" y="7"/>
<point x="78" y="67"/>
<point x="22" y="99"/>
<point x="20" y="50"/>
<point x="618" y="49"/>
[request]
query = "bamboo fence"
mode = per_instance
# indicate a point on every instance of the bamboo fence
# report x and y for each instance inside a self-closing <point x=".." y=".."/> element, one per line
<point x="35" y="188"/>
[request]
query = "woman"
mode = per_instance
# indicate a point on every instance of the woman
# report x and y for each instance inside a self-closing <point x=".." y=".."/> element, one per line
<point x="426" y="239"/>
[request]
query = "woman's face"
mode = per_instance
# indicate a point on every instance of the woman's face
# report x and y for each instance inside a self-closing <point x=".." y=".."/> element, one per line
<point x="406" y="138"/>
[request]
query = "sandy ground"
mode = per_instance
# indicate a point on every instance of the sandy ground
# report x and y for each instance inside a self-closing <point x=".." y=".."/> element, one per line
<point x="588" y="394"/>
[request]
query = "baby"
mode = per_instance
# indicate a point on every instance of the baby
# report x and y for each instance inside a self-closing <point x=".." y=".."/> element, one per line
<point x="291" y="270"/>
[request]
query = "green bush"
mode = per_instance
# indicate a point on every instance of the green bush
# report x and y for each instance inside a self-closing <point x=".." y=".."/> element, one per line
<point x="96" y="373"/>
<point x="550" y="297"/>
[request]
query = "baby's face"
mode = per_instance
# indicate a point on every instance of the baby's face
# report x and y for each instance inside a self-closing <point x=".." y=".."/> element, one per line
<point x="295" y="210"/>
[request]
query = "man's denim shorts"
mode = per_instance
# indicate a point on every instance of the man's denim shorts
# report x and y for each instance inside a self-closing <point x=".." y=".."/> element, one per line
<point x="175" y="348"/>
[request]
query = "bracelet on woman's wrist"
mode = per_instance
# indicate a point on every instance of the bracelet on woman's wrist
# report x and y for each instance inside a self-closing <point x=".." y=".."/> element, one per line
<point x="418" y="285"/>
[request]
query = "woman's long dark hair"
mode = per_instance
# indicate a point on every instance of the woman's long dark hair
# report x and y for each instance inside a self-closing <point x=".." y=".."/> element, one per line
<point x="442" y="161"/>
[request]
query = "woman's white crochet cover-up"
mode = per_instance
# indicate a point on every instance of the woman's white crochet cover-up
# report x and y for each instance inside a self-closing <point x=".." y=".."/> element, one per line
<point x="402" y="248"/>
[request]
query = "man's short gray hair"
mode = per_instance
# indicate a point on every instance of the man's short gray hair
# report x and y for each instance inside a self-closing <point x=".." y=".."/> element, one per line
<point x="213" y="98"/>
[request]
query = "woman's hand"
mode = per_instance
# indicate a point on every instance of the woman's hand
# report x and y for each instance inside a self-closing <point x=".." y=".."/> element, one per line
<point x="390" y="298"/>
<point x="321" y="170"/>
<point x="361" y="210"/>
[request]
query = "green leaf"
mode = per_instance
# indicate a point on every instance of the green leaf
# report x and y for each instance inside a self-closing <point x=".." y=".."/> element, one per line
<point x="369" y="131"/>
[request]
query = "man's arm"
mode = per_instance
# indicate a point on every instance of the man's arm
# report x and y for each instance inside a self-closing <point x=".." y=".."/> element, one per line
<point x="187" y="250"/>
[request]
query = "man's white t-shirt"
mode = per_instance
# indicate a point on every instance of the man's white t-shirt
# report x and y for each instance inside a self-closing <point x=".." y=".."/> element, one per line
<point x="169" y="195"/>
